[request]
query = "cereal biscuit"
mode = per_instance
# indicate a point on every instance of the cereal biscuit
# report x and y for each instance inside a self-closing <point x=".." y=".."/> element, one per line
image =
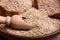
<point x="14" y="6"/>
<point x="45" y="25"/>
<point x="51" y="6"/>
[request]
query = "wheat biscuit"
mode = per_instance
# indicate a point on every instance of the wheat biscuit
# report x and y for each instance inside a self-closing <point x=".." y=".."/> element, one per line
<point x="51" y="6"/>
<point x="15" y="6"/>
<point x="44" y="25"/>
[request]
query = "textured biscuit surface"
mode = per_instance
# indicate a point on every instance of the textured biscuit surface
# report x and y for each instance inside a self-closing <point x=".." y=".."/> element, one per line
<point x="45" y="25"/>
<point x="12" y="6"/>
<point x="50" y="6"/>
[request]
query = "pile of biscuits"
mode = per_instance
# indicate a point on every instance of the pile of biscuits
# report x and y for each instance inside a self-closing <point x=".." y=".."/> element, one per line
<point x="29" y="18"/>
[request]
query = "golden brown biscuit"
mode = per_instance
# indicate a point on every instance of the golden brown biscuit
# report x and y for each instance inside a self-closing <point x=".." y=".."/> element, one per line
<point x="15" y="6"/>
<point x="51" y="6"/>
<point x="44" y="25"/>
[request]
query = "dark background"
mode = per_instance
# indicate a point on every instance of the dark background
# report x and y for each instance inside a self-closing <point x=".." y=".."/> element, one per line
<point x="53" y="37"/>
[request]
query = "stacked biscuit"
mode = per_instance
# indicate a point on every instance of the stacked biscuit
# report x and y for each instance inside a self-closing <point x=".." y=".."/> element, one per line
<point x="15" y="6"/>
<point x="37" y="14"/>
<point x="50" y="6"/>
